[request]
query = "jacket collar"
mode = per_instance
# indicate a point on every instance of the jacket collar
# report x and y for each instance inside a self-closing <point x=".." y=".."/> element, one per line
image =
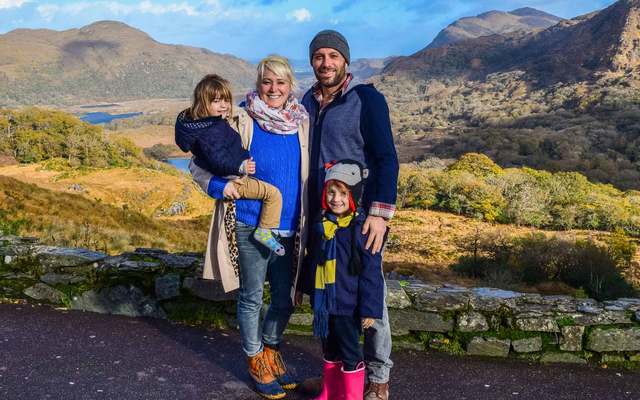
<point x="316" y="90"/>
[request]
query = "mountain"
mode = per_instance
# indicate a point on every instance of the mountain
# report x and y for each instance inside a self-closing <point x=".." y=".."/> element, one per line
<point x="570" y="51"/>
<point x="562" y="99"/>
<point x="364" y="68"/>
<point x="105" y="61"/>
<point x="494" y="22"/>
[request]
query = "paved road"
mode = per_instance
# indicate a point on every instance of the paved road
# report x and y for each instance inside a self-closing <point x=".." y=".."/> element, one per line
<point x="49" y="354"/>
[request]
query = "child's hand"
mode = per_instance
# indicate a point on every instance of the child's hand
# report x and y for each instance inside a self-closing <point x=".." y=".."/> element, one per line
<point x="367" y="323"/>
<point x="251" y="166"/>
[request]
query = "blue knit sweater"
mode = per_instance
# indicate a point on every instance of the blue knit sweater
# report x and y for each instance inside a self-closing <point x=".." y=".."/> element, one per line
<point x="277" y="160"/>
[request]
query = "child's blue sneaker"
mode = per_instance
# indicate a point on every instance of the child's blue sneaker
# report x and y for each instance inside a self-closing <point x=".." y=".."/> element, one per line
<point x="265" y="238"/>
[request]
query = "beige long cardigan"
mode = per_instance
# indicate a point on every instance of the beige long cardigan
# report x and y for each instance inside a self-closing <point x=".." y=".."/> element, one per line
<point x="217" y="263"/>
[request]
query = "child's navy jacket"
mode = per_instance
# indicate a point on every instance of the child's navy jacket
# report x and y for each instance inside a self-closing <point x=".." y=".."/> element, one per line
<point x="359" y="295"/>
<point x="215" y="145"/>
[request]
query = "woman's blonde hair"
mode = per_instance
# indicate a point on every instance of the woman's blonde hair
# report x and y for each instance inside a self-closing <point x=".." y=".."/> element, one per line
<point x="209" y="88"/>
<point x="278" y="65"/>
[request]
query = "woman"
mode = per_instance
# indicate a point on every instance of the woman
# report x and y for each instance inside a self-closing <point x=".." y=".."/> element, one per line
<point x="275" y="129"/>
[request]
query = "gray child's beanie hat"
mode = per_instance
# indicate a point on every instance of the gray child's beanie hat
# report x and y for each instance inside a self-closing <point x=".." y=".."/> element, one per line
<point x="331" y="39"/>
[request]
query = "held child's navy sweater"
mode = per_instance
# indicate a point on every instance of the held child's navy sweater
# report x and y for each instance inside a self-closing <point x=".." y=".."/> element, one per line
<point x="213" y="142"/>
<point x="360" y="295"/>
<point x="277" y="160"/>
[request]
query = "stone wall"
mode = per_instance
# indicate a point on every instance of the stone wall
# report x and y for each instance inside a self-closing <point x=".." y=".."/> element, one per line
<point x="473" y="321"/>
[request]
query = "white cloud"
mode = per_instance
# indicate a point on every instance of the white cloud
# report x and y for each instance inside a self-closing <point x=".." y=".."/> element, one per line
<point x="48" y="11"/>
<point x="11" y="3"/>
<point x="147" y="7"/>
<point x="300" y="15"/>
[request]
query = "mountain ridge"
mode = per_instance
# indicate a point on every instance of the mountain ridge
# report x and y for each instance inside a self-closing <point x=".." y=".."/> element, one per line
<point x="493" y="22"/>
<point x="105" y="61"/>
<point x="563" y="99"/>
<point x="567" y="51"/>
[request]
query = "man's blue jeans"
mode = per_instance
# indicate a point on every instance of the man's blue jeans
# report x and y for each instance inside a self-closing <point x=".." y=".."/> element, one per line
<point x="258" y="263"/>
<point x="377" y="347"/>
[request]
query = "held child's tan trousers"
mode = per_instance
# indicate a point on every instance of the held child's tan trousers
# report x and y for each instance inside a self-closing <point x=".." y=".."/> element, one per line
<point x="255" y="189"/>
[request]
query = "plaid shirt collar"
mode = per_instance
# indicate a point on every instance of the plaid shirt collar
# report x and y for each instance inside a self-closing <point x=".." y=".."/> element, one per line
<point x="317" y="92"/>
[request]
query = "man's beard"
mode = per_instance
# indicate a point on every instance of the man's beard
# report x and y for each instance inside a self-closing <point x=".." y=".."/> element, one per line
<point x="336" y="80"/>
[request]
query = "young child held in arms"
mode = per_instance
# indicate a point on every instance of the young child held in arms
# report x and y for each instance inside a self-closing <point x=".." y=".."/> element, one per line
<point x="346" y="279"/>
<point x="203" y="130"/>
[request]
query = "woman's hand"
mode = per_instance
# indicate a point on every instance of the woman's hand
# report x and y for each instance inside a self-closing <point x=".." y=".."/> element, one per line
<point x="230" y="191"/>
<point x="251" y="167"/>
<point x="367" y="323"/>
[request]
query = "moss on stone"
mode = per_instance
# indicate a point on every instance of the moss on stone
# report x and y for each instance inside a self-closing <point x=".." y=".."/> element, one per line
<point x="143" y="257"/>
<point x="197" y="312"/>
<point x="448" y="315"/>
<point x="442" y="342"/>
<point x="565" y="321"/>
<point x="304" y="309"/>
<point x="72" y="290"/>
<point x="549" y="341"/>
<point x="303" y="329"/>
<point x="145" y="281"/>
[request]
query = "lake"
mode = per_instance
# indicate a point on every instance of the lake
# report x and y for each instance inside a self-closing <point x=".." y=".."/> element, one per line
<point x="181" y="163"/>
<point x="103" y="117"/>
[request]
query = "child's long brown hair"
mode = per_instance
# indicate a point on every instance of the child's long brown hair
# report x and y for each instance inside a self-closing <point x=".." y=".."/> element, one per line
<point x="209" y="88"/>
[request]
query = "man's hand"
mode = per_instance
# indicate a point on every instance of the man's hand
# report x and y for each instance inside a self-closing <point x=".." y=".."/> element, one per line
<point x="367" y="323"/>
<point x="376" y="227"/>
<point x="230" y="192"/>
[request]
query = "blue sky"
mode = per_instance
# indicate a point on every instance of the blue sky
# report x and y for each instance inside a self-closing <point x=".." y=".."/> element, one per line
<point x="253" y="29"/>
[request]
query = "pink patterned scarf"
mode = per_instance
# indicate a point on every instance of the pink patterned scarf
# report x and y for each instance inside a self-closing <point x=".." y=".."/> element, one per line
<point x="283" y="121"/>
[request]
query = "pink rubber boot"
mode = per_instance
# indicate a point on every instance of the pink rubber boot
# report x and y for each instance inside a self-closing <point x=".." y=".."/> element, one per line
<point x="332" y="384"/>
<point x="354" y="383"/>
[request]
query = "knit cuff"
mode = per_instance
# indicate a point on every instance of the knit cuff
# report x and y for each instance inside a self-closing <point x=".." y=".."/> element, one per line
<point x="216" y="187"/>
<point x="383" y="210"/>
<point x="243" y="168"/>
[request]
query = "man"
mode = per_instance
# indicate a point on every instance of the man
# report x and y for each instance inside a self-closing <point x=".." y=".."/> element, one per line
<point x="352" y="122"/>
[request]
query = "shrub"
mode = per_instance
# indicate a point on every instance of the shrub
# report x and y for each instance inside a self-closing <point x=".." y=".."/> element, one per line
<point x="466" y="194"/>
<point x="475" y="187"/>
<point x="535" y="259"/>
<point x="526" y="201"/>
<point x="593" y="268"/>
<point x="35" y="135"/>
<point x="477" y="164"/>
<point x="415" y="188"/>
<point x="10" y="225"/>
<point x="160" y="152"/>
<point x="538" y="258"/>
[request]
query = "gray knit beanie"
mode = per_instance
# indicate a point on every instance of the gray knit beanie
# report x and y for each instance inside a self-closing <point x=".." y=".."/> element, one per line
<point x="331" y="39"/>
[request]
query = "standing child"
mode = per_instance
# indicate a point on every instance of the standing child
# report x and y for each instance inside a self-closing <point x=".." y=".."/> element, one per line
<point x="204" y="130"/>
<point x="347" y="282"/>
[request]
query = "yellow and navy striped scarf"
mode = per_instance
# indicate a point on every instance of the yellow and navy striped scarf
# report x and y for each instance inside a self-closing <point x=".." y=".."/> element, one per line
<point x="324" y="296"/>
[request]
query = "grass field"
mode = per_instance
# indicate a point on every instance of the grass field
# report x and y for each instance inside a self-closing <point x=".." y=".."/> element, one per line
<point x="148" y="135"/>
<point x="145" y="191"/>
<point x="427" y="243"/>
